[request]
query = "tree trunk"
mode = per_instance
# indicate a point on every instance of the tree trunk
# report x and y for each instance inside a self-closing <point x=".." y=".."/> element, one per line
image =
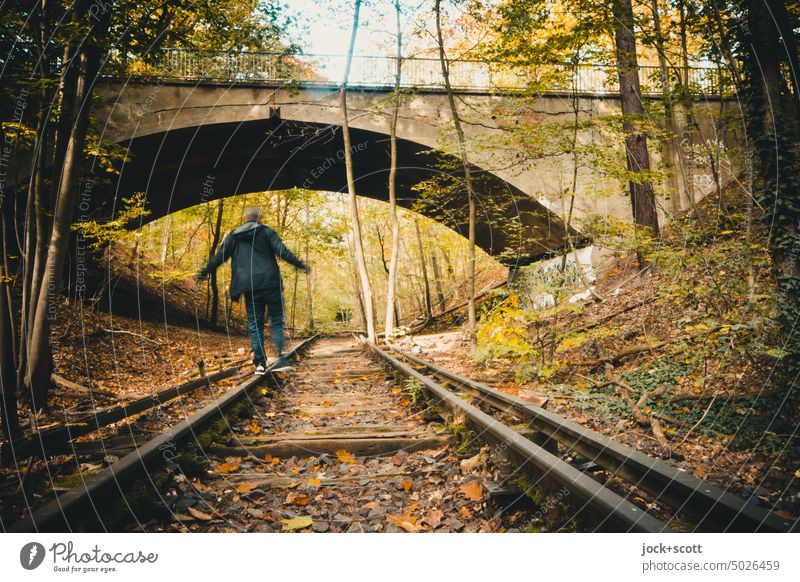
<point x="642" y="197"/>
<point x="437" y="280"/>
<point x="358" y="246"/>
<point x="8" y="373"/>
<point x="686" y="105"/>
<point x="213" y="278"/>
<point x="425" y="281"/>
<point x="671" y="155"/>
<point x="165" y="228"/>
<point x="309" y="279"/>
<point x="462" y="146"/>
<point x="40" y="353"/>
<point x="391" y="290"/>
<point x="773" y="125"/>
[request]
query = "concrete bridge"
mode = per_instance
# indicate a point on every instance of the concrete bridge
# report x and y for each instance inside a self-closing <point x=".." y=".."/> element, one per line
<point x="201" y="126"/>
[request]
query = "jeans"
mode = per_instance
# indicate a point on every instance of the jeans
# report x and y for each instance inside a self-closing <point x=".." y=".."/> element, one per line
<point x="255" y="303"/>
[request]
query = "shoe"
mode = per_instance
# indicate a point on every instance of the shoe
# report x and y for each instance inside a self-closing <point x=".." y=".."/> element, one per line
<point x="282" y="364"/>
<point x="260" y="370"/>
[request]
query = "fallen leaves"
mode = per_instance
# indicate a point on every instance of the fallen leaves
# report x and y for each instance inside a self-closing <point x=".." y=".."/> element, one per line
<point x="296" y="498"/>
<point x="272" y="460"/>
<point x="404" y="521"/>
<point x="230" y="465"/>
<point x="199" y="515"/>
<point x="245" y="487"/>
<point x="297" y="523"/>
<point x="434" y="517"/>
<point x="345" y="456"/>
<point x="472" y="490"/>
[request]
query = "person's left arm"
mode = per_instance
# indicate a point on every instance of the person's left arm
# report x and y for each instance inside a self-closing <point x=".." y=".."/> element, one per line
<point x="283" y="252"/>
<point x="223" y="254"/>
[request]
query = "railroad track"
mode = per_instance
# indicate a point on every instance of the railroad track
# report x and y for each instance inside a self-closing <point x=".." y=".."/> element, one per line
<point x="367" y="439"/>
<point x="86" y="506"/>
<point x="681" y="495"/>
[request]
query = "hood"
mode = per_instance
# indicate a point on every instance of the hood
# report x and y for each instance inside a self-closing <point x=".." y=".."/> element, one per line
<point x="246" y="229"/>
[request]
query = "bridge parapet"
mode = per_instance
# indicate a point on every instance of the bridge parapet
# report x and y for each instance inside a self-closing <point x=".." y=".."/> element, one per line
<point x="420" y="73"/>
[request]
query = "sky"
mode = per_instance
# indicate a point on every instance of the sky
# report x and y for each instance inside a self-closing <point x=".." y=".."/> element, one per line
<point x="323" y="27"/>
<point x="328" y="24"/>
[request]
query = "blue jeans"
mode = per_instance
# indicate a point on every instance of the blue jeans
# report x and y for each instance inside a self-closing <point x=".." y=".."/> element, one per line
<point x="255" y="303"/>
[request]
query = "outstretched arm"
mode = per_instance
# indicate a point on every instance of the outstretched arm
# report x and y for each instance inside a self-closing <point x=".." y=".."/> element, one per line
<point x="222" y="255"/>
<point x="283" y="252"/>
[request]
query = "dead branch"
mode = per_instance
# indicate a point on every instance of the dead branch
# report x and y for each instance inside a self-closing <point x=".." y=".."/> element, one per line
<point x="73" y="387"/>
<point x="120" y="331"/>
<point x="644" y="420"/>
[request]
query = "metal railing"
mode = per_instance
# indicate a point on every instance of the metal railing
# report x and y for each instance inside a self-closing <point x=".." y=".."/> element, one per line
<point x="417" y="73"/>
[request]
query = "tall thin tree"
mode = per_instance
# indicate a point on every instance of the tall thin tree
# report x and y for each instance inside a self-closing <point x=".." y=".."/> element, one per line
<point x="462" y="148"/>
<point x="393" y="221"/>
<point x="358" y="246"/>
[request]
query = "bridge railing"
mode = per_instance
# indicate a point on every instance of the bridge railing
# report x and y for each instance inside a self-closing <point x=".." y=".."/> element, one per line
<point x="417" y="72"/>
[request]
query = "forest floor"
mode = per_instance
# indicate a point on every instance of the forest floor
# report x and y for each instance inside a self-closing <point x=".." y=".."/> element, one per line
<point x="717" y="414"/>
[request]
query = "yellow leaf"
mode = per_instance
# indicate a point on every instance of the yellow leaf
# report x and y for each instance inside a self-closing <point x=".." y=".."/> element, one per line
<point x="345" y="456"/>
<point x="297" y="523"/>
<point x="405" y="521"/>
<point x="797" y="473"/>
<point x="296" y="498"/>
<point x="314" y="481"/>
<point x="228" y="467"/>
<point x="254" y="428"/>
<point x="406" y="485"/>
<point x="271" y="459"/>
<point x="472" y="490"/>
<point x="245" y="487"/>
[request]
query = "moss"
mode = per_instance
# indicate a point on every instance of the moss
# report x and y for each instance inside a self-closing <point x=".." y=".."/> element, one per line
<point x="465" y="438"/>
<point x="73" y="480"/>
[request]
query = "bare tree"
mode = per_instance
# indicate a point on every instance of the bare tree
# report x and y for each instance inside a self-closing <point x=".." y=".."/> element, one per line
<point x="462" y="147"/>
<point x="426" y="285"/>
<point x="358" y="246"/>
<point x="391" y="290"/>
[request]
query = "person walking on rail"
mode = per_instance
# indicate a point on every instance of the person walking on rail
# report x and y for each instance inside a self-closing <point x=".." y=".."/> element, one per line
<point x="253" y="248"/>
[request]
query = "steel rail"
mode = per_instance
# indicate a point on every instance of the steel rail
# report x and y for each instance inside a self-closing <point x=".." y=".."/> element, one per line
<point x="57" y="440"/>
<point x="714" y="508"/>
<point x="106" y="486"/>
<point x="607" y="503"/>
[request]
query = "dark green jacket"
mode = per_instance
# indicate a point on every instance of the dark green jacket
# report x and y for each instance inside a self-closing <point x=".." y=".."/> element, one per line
<point x="252" y="248"/>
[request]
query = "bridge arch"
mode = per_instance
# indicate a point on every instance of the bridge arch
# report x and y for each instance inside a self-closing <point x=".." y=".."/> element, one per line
<point x="184" y="151"/>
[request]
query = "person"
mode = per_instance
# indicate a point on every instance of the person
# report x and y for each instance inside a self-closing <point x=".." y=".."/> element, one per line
<point x="255" y="275"/>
